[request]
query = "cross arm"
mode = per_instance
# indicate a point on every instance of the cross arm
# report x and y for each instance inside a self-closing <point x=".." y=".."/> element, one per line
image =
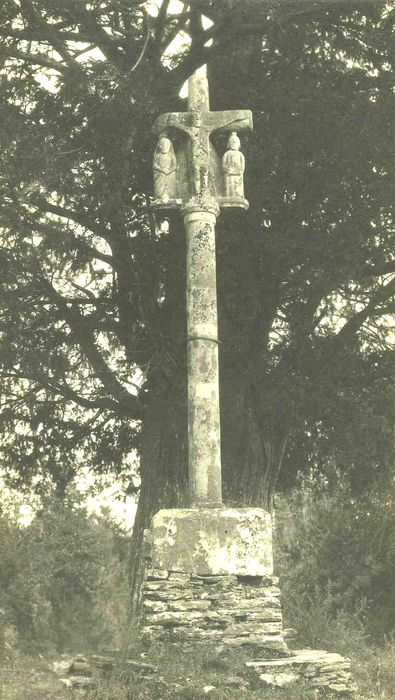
<point x="230" y="120"/>
<point x="177" y="120"/>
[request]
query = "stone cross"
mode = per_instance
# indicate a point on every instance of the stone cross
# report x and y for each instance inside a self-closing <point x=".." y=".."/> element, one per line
<point x="200" y="187"/>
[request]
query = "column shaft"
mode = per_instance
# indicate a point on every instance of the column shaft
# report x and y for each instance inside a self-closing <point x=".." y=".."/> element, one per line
<point x="203" y="387"/>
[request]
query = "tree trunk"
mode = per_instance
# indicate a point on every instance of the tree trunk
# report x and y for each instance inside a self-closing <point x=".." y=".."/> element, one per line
<point x="163" y="468"/>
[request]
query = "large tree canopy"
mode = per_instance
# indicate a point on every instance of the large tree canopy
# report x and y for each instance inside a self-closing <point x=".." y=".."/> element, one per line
<point x="93" y="318"/>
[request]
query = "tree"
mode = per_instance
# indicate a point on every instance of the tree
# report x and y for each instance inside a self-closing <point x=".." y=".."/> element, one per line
<point x="305" y="279"/>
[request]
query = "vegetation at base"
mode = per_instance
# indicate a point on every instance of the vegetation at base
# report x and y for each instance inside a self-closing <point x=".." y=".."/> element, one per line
<point x="335" y="556"/>
<point x="183" y="676"/>
<point x="63" y="579"/>
<point x="70" y="563"/>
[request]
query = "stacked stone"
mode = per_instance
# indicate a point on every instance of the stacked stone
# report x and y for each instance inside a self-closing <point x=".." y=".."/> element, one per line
<point x="83" y="673"/>
<point x="320" y="668"/>
<point x="229" y="610"/>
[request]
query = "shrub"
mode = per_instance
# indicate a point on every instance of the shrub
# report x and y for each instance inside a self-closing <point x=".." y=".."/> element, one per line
<point x="336" y="559"/>
<point x="63" y="578"/>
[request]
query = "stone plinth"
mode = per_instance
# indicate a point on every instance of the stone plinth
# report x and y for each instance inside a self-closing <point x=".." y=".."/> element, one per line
<point x="320" y="668"/>
<point x="213" y="541"/>
<point x="231" y="611"/>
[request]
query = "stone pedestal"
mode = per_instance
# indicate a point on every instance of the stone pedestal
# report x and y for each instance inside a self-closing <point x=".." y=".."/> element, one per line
<point x="213" y="541"/>
<point x="211" y="578"/>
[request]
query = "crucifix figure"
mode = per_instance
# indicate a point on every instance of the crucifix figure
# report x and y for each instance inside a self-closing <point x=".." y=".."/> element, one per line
<point x="200" y="190"/>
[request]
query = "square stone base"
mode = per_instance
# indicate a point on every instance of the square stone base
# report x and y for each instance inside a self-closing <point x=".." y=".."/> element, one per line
<point x="222" y="541"/>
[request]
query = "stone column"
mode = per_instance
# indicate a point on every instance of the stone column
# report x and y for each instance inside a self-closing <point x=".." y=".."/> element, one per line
<point x="203" y="387"/>
<point x="211" y="567"/>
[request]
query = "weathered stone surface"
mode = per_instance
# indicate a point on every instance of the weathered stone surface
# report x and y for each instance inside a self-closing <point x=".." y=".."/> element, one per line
<point x="217" y="608"/>
<point x="243" y="629"/>
<point x="246" y="604"/>
<point x="195" y="191"/>
<point x="174" y="618"/>
<point x="233" y="164"/>
<point x="79" y="682"/>
<point x="157" y="575"/>
<point x="178" y="576"/>
<point x="265" y="616"/>
<point x="164" y="167"/>
<point x="202" y="179"/>
<point x="80" y="667"/>
<point x="320" y="668"/>
<point x="245" y="616"/>
<point x="267" y="642"/>
<point x="279" y="679"/>
<point x="213" y="541"/>
<point x="223" y="580"/>
<point x="175" y="606"/>
<point x="178" y="585"/>
<point x="301" y="657"/>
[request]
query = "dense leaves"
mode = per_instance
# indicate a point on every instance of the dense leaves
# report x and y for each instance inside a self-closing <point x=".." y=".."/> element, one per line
<point x="93" y="319"/>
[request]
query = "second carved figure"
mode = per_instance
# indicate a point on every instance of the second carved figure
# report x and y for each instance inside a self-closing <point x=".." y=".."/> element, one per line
<point x="233" y="163"/>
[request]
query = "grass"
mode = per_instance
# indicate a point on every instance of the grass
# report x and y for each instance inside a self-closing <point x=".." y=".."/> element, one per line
<point x="26" y="678"/>
<point x="191" y="674"/>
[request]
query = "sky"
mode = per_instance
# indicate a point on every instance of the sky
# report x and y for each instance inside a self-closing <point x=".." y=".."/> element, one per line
<point x="98" y="495"/>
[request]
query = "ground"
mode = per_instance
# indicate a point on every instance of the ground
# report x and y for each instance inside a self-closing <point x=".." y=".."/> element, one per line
<point x="192" y="675"/>
<point x="27" y="678"/>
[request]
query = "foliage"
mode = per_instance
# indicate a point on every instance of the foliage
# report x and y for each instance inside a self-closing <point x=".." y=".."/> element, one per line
<point x="335" y="557"/>
<point x="62" y="578"/>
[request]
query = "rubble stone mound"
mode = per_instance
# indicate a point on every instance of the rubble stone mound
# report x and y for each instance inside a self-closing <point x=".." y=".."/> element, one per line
<point x="321" y="669"/>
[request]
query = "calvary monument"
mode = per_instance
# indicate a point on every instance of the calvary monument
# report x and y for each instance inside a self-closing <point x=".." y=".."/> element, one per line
<point x="210" y="571"/>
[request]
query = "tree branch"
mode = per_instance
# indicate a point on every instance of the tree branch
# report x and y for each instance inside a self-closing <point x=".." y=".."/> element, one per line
<point x="376" y="270"/>
<point x="30" y="34"/>
<point x="161" y="23"/>
<point x="69" y="394"/>
<point x="146" y="40"/>
<point x="354" y="324"/>
<point x="79" y="244"/>
<point x="103" y="403"/>
<point x="85" y="339"/>
<point x="30" y="14"/>
<point x="108" y="48"/>
<point x="35" y="58"/>
<point x="65" y="213"/>
<point x="176" y="29"/>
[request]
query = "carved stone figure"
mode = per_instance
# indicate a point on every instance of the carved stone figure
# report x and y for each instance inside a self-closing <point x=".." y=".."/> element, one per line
<point x="165" y="165"/>
<point x="233" y="163"/>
